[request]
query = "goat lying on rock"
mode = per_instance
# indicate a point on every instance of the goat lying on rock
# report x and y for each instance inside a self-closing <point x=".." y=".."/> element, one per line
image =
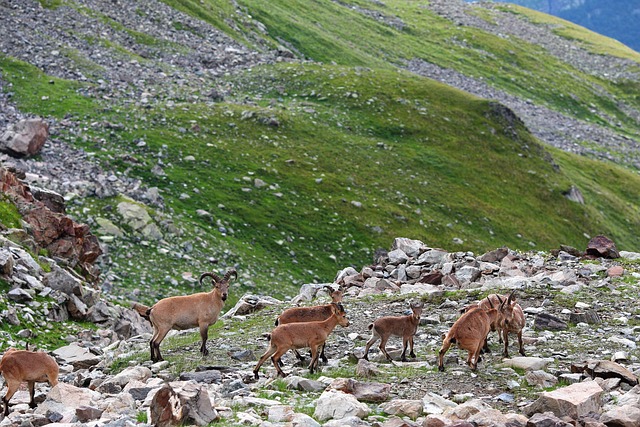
<point x="187" y="311"/>
<point x="470" y="333"/>
<point x="311" y="314"/>
<point x="400" y="326"/>
<point x="299" y="335"/>
<point x="18" y="366"/>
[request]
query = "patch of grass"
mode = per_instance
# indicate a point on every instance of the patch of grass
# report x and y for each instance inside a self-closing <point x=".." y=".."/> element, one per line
<point x="9" y="215"/>
<point x="141" y="417"/>
<point x="51" y="4"/>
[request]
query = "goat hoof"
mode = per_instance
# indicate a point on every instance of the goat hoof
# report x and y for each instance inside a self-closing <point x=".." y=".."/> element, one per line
<point x="441" y="368"/>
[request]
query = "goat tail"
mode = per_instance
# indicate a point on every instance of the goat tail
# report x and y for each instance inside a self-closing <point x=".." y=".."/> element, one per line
<point x="370" y="326"/>
<point x="142" y="310"/>
<point x="277" y="321"/>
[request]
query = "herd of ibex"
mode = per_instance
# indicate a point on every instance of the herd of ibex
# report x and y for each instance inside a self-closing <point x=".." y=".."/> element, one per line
<point x="296" y="328"/>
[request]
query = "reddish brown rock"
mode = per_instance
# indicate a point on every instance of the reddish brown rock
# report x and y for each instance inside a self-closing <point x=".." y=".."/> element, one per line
<point x="602" y="247"/>
<point x="615" y="271"/>
<point x="53" y="231"/>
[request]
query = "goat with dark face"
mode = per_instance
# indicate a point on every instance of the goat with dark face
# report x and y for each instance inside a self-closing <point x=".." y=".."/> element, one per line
<point x="187" y="311"/>
<point x="510" y="320"/>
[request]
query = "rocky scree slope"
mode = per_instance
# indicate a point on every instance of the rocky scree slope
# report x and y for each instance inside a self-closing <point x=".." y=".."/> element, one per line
<point x="577" y="310"/>
<point x="553" y="127"/>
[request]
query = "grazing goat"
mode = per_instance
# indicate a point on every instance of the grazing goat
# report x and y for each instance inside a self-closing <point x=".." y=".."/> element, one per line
<point x="510" y="319"/>
<point x="469" y="332"/>
<point x="18" y="366"/>
<point x="299" y="335"/>
<point x="310" y="314"/>
<point x="400" y="326"/>
<point x="187" y="311"/>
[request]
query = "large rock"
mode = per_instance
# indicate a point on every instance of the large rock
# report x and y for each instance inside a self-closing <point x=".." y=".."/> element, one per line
<point x="363" y="391"/>
<point x="605" y="369"/>
<point x="409" y="246"/>
<point x="337" y="405"/>
<point x="181" y="403"/>
<point x="53" y="231"/>
<point x="65" y="399"/>
<point x="25" y="138"/>
<point x="622" y="416"/>
<point x="602" y="247"/>
<point x="79" y="357"/>
<point x="403" y="408"/>
<point x="573" y="401"/>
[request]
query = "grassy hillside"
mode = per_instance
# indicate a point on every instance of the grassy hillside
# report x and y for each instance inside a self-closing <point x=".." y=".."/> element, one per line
<point x="351" y="158"/>
<point x="384" y="34"/>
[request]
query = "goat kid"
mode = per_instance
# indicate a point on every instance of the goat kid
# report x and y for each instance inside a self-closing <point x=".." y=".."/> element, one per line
<point x="300" y="335"/>
<point x="187" y="311"/>
<point x="400" y="326"/>
<point x="470" y="333"/>
<point x="510" y="320"/>
<point x="315" y="313"/>
<point x="18" y="366"/>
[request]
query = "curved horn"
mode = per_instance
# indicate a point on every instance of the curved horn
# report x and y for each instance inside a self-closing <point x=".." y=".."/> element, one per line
<point x="511" y="297"/>
<point x="229" y="273"/>
<point x="214" y="277"/>
<point x="490" y="303"/>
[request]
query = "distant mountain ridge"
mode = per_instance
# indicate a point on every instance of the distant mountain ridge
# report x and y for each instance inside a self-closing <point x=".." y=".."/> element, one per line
<point x="617" y="19"/>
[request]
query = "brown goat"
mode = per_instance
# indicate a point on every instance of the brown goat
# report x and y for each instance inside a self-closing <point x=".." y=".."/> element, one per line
<point x="18" y="366"/>
<point x="400" y="326"/>
<point x="300" y="335"/>
<point x="311" y="314"/>
<point x="510" y="319"/>
<point x="187" y="311"/>
<point x="469" y="332"/>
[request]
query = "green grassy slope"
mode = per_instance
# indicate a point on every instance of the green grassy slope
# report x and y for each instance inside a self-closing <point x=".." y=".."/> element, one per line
<point x="351" y="159"/>
<point x="336" y="32"/>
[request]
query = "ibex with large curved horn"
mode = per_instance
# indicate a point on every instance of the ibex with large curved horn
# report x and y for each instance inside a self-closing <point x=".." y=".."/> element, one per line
<point x="187" y="311"/>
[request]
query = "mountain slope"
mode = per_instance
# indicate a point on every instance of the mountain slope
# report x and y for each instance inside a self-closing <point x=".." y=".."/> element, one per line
<point x="616" y="18"/>
<point x="289" y="170"/>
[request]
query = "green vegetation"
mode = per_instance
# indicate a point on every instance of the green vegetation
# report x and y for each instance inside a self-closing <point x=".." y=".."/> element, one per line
<point x="351" y="159"/>
<point x="9" y="215"/>
<point x="307" y="168"/>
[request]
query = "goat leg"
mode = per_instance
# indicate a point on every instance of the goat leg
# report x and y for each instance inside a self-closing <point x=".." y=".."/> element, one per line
<point x="505" y="334"/>
<point x="32" y="392"/>
<point x="405" y="343"/>
<point x="411" y="353"/>
<point x="204" y="335"/>
<point x="371" y="341"/>
<point x="383" y="349"/>
<point x="322" y="356"/>
<point x="520" y="343"/>
<point x="314" y="359"/>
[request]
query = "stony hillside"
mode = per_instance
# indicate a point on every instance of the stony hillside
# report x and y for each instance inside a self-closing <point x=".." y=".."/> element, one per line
<point x="194" y="138"/>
